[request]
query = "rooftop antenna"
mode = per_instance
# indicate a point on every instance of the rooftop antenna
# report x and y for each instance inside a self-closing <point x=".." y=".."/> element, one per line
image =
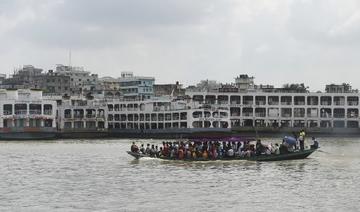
<point x="70" y="57"/>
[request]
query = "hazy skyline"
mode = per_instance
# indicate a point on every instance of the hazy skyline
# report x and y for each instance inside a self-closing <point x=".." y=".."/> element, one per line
<point x="278" y="41"/>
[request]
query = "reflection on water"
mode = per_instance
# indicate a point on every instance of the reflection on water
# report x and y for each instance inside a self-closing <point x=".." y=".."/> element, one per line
<point x="97" y="175"/>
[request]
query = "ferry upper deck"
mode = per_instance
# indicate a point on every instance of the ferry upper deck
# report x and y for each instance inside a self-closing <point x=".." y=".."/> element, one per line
<point x="304" y="110"/>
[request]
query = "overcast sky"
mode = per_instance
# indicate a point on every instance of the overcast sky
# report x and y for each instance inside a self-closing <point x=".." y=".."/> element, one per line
<point x="316" y="42"/>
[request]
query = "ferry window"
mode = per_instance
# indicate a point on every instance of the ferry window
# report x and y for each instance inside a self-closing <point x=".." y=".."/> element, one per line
<point x="7" y="109"/>
<point x="197" y="114"/>
<point x="207" y="124"/>
<point x="215" y="124"/>
<point x="20" y="109"/>
<point x="48" y="123"/>
<point x="67" y="125"/>
<point x="224" y="124"/>
<point x="175" y="125"/>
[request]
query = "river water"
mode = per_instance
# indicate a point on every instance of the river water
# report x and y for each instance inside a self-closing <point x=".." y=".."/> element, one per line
<point x="97" y="175"/>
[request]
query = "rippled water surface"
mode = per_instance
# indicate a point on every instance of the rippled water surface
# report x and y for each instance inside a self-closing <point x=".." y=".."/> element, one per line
<point x="97" y="175"/>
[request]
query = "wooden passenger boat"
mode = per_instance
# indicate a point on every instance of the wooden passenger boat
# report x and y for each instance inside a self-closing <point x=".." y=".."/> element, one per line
<point x="273" y="157"/>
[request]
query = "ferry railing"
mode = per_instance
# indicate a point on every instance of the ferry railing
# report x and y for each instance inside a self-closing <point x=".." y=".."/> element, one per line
<point x="20" y="112"/>
<point x="223" y="102"/>
<point x="248" y="102"/>
<point x="352" y="115"/>
<point x="90" y="115"/>
<point x="353" y="103"/>
<point x="273" y="103"/>
<point x="260" y="103"/>
<point x="247" y="114"/>
<point x="78" y="116"/>
<point x="35" y="112"/>
<point x="7" y="112"/>
<point x="235" y="114"/>
<point x="47" y="112"/>
<point x="260" y="114"/>
<point x="339" y="103"/>
<point x="325" y="116"/>
<point x="341" y="115"/>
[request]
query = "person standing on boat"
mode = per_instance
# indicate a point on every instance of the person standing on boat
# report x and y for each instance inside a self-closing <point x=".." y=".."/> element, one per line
<point x="147" y="150"/>
<point x="259" y="147"/>
<point x="302" y="139"/>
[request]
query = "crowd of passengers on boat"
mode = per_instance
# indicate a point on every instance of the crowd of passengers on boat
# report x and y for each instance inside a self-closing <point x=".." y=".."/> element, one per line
<point x="213" y="150"/>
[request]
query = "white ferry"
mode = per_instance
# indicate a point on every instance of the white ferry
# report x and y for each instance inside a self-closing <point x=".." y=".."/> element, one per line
<point x="165" y="117"/>
<point x="263" y="111"/>
<point x="80" y="117"/>
<point x="26" y="115"/>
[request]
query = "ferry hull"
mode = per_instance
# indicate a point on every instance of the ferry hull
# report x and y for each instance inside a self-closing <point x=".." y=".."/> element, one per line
<point x="169" y="133"/>
<point x="27" y="133"/>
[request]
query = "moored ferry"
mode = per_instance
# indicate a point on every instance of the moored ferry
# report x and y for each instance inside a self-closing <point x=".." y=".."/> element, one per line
<point x="165" y="117"/>
<point x="263" y="111"/>
<point x="26" y="115"/>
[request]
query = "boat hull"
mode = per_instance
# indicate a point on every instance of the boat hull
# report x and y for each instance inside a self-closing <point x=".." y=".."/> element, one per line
<point x="286" y="156"/>
<point x="28" y="134"/>
<point x="137" y="155"/>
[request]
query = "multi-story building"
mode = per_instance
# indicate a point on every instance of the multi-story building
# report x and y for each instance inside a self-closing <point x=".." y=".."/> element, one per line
<point x="339" y="88"/>
<point x="23" y="78"/>
<point x="110" y="87"/>
<point x="2" y="78"/>
<point x="244" y="83"/>
<point x="52" y="83"/>
<point x="80" y="80"/>
<point x="136" y="87"/>
<point x="169" y="90"/>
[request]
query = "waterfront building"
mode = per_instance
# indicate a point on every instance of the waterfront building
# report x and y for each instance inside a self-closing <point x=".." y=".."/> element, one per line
<point x="244" y="83"/>
<point x="22" y="78"/>
<point x="2" y="78"/>
<point x="26" y="114"/>
<point x="339" y="88"/>
<point x="169" y="89"/>
<point x="110" y="87"/>
<point x="205" y="86"/>
<point x="80" y="80"/>
<point x="136" y="87"/>
<point x="52" y="83"/>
